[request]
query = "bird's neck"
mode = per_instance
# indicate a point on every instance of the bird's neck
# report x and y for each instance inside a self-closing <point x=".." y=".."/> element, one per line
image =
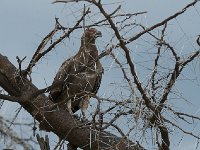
<point x="88" y="52"/>
<point x="87" y="41"/>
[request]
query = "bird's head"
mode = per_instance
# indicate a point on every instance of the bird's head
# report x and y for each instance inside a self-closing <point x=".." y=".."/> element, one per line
<point x="90" y="35"/>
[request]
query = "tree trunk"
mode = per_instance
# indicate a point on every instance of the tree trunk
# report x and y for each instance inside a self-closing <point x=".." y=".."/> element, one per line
<point x="60" y="122"/>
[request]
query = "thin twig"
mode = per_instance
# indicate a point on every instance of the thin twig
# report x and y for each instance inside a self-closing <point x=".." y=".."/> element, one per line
<point x="41" y="53"/>
<point x="127" y="53"/>
<point x="184" y="131"/>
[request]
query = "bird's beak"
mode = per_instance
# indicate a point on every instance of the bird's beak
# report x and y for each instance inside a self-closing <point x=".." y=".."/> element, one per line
<point x="98" y="34"/>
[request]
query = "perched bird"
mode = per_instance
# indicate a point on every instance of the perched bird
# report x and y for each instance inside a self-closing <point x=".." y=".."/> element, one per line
<point x="79" y="75"/>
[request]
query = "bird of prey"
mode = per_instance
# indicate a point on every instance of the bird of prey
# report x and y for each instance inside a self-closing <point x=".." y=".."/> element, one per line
<point x="79" y="75"/>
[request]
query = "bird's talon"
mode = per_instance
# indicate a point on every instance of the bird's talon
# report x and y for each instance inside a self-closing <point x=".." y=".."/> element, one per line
<point x="83" y="119"/>
<point x="74" y="72"/>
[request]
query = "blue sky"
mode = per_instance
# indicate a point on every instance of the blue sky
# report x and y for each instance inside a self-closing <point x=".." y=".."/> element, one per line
<point x="25" y="22"/>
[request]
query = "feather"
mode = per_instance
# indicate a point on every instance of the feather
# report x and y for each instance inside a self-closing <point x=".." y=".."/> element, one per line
<point x="79" y="75"/>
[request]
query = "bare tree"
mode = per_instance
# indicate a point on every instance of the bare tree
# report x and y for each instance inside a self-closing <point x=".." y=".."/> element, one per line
<point x="143" y="105"/>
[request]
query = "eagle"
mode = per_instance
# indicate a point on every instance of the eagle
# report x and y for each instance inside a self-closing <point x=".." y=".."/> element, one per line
<point x="79" y="76"/>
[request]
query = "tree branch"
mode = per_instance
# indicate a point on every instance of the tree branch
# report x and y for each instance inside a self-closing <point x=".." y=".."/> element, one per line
<point x="165" y="138"/>
<point x="9" y="133"/>
<point x="162" y="22"/>
<point x="131" y="65"/>
<point x="9" y="98"/>
<point x="59" y="122"/>
<point x="41" y="52"/>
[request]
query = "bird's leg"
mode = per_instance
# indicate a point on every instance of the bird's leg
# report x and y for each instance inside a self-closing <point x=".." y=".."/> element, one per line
<point x="69" y="106"/>
<point x="84" y="105"/>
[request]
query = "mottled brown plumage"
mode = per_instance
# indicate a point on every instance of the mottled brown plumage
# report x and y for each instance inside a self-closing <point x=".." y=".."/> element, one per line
<point x="78" y="75"/>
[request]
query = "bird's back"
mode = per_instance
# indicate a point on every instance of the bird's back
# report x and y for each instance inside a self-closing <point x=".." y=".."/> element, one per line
<point x="80" y="74"/>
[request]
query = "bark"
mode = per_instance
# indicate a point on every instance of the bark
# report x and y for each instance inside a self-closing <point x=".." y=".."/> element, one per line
<point x="59" y="122"/>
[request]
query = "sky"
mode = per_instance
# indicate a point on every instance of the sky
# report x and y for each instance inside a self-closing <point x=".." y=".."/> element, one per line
<point x="25" y="22"/>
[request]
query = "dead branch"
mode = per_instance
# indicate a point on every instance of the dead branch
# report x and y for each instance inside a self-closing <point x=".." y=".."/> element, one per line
<point x="198" y="40"/>
<point x="67" y="1"/>
<point x="187" y="115"/>
<point x="155" y="69"/>
<point x="123" y="71"/>
<point x="20" y="64"/>
<point x="44" y="143"/>
<point x="181" y="129"/>
<point x="127" y="53"/>
<point x="38" y="53"/>
<point x="162" y="22"/>
<point x="41" y="52"/>
<point x="91" y="134"/>
<point x="59" y="122"/>
<point x="165" y="138"/>
<point x="9" y="98"/>
<point x="10" y="134"/>
<point x="147" y="30"/>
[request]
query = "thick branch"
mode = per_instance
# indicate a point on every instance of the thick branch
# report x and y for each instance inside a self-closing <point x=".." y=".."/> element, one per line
<point x="9" y="98"/>
<point x="165" y="138"/>
<point x="60" y="122"/>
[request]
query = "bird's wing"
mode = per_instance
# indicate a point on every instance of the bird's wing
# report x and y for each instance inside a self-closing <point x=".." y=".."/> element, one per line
<point x="97" y="83"/>
<point x="98" y="79"/>
<point x="59" y="79"/>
